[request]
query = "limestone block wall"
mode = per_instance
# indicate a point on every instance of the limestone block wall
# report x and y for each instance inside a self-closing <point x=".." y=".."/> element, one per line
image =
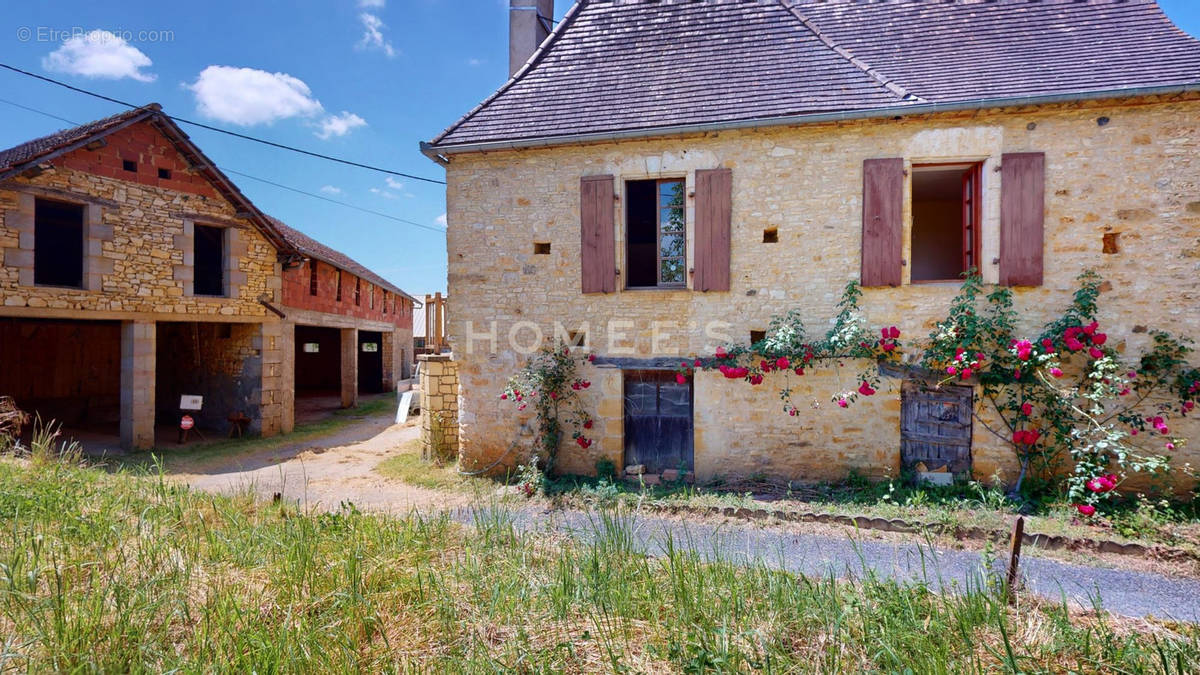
<point x="439" y="405"/>
<point x="137" y="254"/>
<point x="1134" y="178"/>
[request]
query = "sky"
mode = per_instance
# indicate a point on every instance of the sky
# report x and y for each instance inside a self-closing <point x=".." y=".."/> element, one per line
<point x="364" y="80"/>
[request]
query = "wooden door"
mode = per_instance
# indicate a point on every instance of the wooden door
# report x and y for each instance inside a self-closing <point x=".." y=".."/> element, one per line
<point x="658" y="421"/>
<point x="935" y="426"/>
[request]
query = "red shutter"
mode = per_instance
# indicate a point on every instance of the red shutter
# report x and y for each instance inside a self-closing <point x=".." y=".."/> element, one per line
<point x="882" y="236"/>
<point x="1022" y="205"/>
<point x="598" y="254"/>
<point x="714" y="212"/>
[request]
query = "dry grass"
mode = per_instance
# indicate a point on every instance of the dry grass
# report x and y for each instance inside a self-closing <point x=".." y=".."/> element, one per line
<point x="122" y="573"/>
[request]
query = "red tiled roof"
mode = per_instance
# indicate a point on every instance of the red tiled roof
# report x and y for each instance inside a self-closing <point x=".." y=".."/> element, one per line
<point x="315" y="249"/>
<point x="622" y="65"/>
<point x="40" y="147"/>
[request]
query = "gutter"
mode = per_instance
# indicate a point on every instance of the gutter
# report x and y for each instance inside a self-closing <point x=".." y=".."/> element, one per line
<point x="442" y="153"/>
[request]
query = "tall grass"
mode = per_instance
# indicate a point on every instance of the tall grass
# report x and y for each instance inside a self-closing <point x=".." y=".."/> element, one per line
<point x="124" y="573"/>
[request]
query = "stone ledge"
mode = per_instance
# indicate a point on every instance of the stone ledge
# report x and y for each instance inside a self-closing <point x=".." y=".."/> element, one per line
<point x="1050" y="542"/>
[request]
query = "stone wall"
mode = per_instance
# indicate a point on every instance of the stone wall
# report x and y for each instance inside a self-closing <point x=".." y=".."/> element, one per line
<point x="136" y="249"/>
<point x="439" y="406"/>
<point x="1136" y="177"/>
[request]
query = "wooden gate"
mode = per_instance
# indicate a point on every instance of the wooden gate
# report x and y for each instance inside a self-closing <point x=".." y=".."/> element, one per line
<point x="935" y="426"/>
<point x="658" y="421"/>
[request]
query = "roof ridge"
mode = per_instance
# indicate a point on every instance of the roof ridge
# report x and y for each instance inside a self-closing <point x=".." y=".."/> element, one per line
<point x="533" y="60"/>
<point x="887" y="83"/>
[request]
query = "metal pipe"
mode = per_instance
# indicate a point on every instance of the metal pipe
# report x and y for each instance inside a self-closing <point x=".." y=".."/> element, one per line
<point x="441" y="153"/>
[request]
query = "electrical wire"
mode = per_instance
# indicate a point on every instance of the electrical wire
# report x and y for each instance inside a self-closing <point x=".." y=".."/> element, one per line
<point x="264" y="180"/>
<point x="226" y="131"/>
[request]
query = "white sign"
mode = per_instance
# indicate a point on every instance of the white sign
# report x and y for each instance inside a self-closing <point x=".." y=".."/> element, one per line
<point x="405" y="405"/>
<point x="189" y="402"/>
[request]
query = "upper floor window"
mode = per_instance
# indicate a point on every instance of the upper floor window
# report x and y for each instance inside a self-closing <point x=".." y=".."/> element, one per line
<point x="656" y="249"/>
<point x="58" y="244"/>
<point x="385" y="302"/>
<point x="312" y="277"/>
<point x="945" y="221"/>
<point x="209" y="257"/>
<point x="358" y="291"/>
<point x="339" y="285"/>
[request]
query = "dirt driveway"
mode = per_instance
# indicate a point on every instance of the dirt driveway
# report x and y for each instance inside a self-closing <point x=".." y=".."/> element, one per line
<point x="321" y="473"/>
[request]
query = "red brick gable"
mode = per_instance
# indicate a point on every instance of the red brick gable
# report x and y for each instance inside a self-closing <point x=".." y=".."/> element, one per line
<point x="145" y="145"/>
<point x="297" y="293"/>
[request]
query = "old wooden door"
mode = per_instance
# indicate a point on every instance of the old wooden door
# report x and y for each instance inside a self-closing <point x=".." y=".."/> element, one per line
<point x="935" y="426"/>
<point x="658" y="421"/>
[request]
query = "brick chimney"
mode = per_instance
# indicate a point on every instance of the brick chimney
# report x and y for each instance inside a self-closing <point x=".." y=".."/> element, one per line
<point x="528" y="24"/>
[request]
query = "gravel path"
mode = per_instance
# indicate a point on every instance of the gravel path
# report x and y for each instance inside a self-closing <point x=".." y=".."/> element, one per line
<point x="324" y="472"/>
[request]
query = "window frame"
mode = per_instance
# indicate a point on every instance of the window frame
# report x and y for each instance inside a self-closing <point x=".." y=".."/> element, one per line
<point x="313" y="280"/>
<point x="658" y="234"/>
<point x="83" y="235"/>
<point x="971" y="203"/>
<point x="222" y="264"/>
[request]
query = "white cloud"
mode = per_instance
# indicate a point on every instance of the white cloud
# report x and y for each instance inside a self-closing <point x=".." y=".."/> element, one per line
<point x="383" y="193"/>
<point x="378" y="4"/>
<point x="394" y="184"/>
<point x="440" y="220"/>
<point x="99" y="54"/>
<point x="331" y="190"/>
<point x="373" y="34"/>
<point x="246" y="96"/>
<point x="476" y="62"/>
<point x="339" y="125"/>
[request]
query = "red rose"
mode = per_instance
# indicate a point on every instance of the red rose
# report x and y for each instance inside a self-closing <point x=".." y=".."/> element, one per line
<point x="1085" y="509"/>
<point x="782" y="363"/>
<point x="680" y="378"/>
<point x="1026" y="409"/>
<point x="893" y="332"/>
<point x="1095" y="353"/>
<point x="587" y="424"/>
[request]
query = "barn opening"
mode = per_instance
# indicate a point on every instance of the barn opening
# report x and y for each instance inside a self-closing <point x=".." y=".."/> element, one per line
<point x="370" y="362"/>
<point x="66" y="371"/>
<point x="57" y="244"/>
<point x="318" y="371"/>
<point x="945" y="214"/>
<point x="654" y="219"/>
<point x="209" y="260"/>
<point x="221" y="362"/>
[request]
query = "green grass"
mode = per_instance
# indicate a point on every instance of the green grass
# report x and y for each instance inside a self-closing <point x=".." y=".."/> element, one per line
<point x="103" y="572"/>
<point x="175" y="457"/>
<point x="408" y="467"/>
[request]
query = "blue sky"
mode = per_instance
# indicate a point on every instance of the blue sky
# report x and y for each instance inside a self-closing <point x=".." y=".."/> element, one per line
<point x="361" y="79"/>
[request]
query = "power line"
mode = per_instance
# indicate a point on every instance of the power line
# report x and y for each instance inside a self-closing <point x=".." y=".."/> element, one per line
<point x="336" y="201"/>
<point x="264" y="180"/>
<point x="226" y="131"/>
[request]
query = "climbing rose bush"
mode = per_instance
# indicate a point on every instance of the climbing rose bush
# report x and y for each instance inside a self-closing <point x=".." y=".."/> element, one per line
<point x="551" y="384"/>
<point x="790" y="350"/>
<point x="1064" y="398"/>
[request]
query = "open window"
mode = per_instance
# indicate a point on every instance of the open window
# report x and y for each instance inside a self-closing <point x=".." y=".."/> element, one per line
<point x="209" y="256"/>
<point x="656" y="250"/>
<point x="945" y="215"/>
<point x="57" y="244"/>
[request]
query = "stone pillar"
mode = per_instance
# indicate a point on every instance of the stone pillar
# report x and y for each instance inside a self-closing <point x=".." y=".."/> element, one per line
<point x="390" y="360"/>
<point x="138" y="340"/>
<point x="349" y="367"/>
<point x="278" y="378"/>
<point x="439" y="406"/>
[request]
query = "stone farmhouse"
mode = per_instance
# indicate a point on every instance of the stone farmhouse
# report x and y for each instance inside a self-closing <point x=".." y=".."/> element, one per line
<point x="135" y="273"/>
<point x="656" y="178"/>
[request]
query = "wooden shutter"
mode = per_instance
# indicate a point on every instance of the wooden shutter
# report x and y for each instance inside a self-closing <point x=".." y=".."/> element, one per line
<point x="1022" y="204"/>
<point x="714" y="212"/>
<point x="598" y="253"/>
<point x="882" y="235"/>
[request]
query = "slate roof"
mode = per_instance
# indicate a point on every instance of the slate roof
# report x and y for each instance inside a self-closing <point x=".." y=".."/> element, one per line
<point x="621" y="65"/>
<point x="315" y="249"/>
